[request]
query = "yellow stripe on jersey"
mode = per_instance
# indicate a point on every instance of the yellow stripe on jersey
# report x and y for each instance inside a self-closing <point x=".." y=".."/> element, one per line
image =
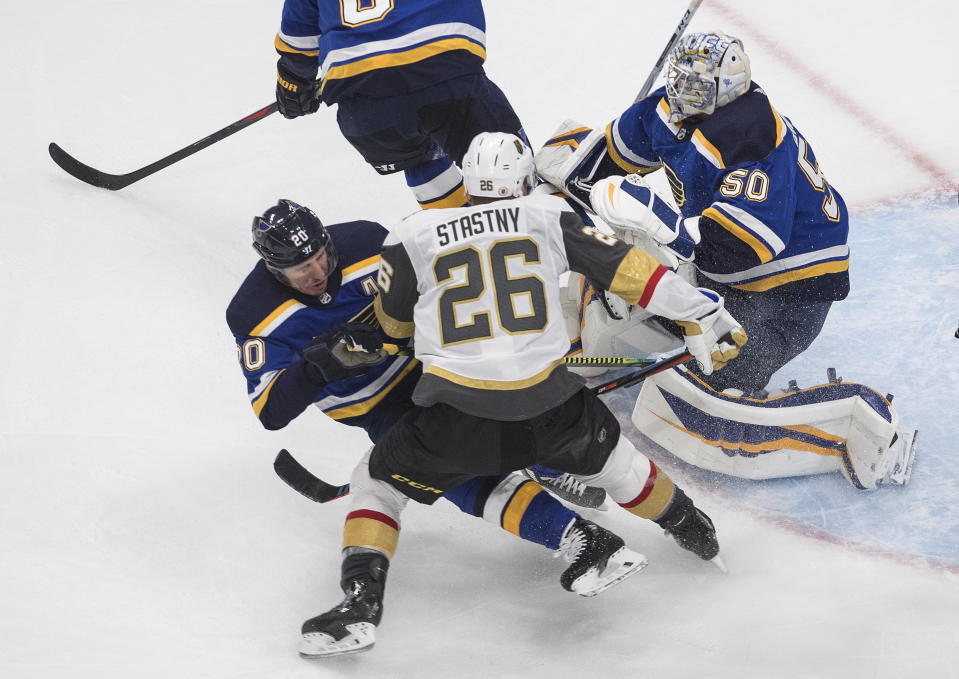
<point x="790" y="276"/>
<point x="614" y="154"/>
<point x="363" y="407"/>
<point x="494" y="385"/>
<point x="353" y="268"/>
<point x="261" y="400"/>
<point x="456" y="198"/>
<point x="632" y="275"/>
<point x="707" y="149"/>
<point x="403" y="58"/>
<point x="391" y="326"/>
<point x="283" y="47"/>
<point x="513" y="513"/>
<point x="780" y="128"/>
<point x="760" y="248"/>
<point x="265" y="323"/>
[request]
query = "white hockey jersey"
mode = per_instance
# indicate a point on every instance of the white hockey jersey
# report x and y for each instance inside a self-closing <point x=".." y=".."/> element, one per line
<point x="478" y="290"/>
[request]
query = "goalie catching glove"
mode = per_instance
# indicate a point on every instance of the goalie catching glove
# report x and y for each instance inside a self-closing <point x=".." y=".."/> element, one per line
<point x="630" y="204"/>
<point x="347" y="351"/>
<point x="713" y="339"/>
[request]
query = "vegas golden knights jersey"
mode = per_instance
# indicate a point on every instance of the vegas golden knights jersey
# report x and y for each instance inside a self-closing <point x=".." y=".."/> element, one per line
<point x="478" y="290"/>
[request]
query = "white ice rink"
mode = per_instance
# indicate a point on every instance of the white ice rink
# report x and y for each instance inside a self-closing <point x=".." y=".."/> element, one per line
<point x="142" y="532"/>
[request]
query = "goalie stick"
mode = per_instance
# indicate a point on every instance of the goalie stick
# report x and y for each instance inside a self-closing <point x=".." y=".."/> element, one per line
<point x="674" y="38"/>
<point x="303" y="481"/>
<point x="115" y="182"/>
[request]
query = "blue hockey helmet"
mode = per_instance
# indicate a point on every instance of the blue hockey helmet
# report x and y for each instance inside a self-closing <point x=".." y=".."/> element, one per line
<point x="288" y="234"/>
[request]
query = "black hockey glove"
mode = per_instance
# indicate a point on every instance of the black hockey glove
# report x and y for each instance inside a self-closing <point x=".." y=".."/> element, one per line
<point x="346" y="351"/>
<point x="295" y="95"/>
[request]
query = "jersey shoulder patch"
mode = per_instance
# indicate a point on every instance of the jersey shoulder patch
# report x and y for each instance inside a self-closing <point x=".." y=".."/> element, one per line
<point x="744" y="131"/>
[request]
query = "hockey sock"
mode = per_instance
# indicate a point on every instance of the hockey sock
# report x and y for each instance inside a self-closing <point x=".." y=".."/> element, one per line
<point x="515" y="504"/>
<point x="437" y="183"/>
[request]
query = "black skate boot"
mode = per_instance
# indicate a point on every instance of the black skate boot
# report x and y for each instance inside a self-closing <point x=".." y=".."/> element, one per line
<point x="690" y="527"/>
<point x="350" y="626"/>
<point x="598" y="559"/>
<point x="567" y="487"/>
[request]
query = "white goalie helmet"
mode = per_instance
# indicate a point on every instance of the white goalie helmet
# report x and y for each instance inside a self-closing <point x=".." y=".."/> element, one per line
<point x="705" y="71"/>
<point x="498" y="165"/>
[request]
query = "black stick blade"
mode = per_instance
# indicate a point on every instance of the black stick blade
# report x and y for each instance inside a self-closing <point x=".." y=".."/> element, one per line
<point x="85" y="173"/>
<point x="297" y="477"/>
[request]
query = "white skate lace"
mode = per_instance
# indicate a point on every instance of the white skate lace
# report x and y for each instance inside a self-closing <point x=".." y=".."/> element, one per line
<point x="569" y="483"/>
<point x="571" y="544"/>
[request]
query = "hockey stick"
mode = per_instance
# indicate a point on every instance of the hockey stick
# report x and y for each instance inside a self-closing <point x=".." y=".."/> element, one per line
<point x="637" y="377"/>
<point x="677" y="34"/>
<point x="115" y="182"/>
<point x="592" y="362"/>
<point x="302" y="480"/>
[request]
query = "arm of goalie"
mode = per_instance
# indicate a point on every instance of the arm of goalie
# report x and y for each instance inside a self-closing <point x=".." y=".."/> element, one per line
<point x="630" y="204"/>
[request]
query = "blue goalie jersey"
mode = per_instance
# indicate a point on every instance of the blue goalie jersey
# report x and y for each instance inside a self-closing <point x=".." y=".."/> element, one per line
<point x="384" y="47"/>
<point x="273" y="323"/>
<point x="770" y="220"/>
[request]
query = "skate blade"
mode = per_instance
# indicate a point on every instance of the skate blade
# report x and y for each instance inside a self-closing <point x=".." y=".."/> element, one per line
<point x="316" y="645"/>
<point x="622" y="564"/>
<point x="719" y="563"/>
<point x="901" y="468"/>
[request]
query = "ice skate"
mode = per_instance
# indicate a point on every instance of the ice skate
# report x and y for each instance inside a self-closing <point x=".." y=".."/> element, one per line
<point x="350" y="627"/>
<point x="692" y="529"/>
<point x="598" y="559"/>
<point x="568" y="488"/>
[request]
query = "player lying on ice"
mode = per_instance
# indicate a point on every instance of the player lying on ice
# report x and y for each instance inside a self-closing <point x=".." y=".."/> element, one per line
<point x="311" y="293"/>
<point x="759" y="224"/>
<point x="477" y="288"/>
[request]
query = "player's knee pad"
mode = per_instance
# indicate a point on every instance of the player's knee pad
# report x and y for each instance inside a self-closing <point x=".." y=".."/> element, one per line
<point x="373" y="521"/>
<point x="634" y="481"/>
<point x="633" y="332"/>
<point x="821" y="429"/>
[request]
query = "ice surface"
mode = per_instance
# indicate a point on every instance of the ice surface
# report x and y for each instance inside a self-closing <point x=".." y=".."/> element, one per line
<point x="143" y="532"/>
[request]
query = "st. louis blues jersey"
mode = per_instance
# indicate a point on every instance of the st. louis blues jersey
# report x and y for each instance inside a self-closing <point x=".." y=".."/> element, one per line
<point x="381" y="47"/>
<point x="770" y="220"/>
<point x="273" y="323"/>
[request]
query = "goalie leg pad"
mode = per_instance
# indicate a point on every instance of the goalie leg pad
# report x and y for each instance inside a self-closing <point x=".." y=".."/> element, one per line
<point x="838" y="426"/>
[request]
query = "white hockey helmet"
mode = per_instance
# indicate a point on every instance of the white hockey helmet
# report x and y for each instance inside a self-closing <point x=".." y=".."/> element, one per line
<point x="498" y="165"/>
<point x="703" y="72"/>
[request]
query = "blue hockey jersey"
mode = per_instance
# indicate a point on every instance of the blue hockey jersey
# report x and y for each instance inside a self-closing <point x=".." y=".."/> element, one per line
<point x="273" y="323"/>
<point x="770" y="220"/>
<point x="382" y="47"/>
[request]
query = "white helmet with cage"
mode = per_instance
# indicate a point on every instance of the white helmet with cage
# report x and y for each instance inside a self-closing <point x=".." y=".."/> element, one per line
<point x="705" y="71"/>
<point x="498" y="165"/>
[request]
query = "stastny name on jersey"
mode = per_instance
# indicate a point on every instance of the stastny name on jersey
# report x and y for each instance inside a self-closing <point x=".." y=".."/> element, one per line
<point x="494" y="220"/>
